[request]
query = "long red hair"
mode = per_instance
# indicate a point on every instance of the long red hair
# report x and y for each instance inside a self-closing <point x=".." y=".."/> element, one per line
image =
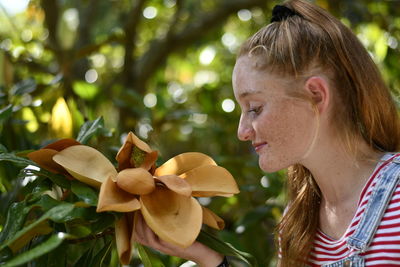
<point x="313" y="42"/>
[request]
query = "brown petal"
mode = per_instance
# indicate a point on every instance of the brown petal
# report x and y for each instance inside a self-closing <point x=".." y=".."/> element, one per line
<point x="124" y="156"/>
<point x="62" y="144"/>
<point x="122" y="237"/>
<point x="184" y="162"/>
<point x="138" y="143"/>
<point x="85" y="164"/>
<point x="209" y="179"/>
<point x="176" y="184"/>
<point x="136" y="181"/>
<point x="44" y="158"/>
<point x="211" y="194"/>
<point x="125" y="152"/>
<point x="113" y="198"/>
<point x="150" y="160"/>
<point x="174" y="218"/>
<point x="212" y="219"/>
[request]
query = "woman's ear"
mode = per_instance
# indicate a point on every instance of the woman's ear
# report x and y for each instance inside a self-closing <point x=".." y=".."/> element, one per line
<point x="319" y="90"/>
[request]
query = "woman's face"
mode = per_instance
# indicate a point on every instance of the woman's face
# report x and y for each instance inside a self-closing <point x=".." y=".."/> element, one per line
<point x="281" y="128"/>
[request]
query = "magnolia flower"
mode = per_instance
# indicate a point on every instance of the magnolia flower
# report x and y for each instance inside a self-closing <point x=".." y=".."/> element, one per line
<point x="164" y="195"/>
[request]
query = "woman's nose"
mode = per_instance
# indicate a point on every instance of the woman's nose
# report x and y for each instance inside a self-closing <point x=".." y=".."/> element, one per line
<point x="245" y="131"/>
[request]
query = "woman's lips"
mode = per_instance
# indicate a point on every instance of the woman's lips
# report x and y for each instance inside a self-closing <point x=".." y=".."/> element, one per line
<point x="259" y="146"/>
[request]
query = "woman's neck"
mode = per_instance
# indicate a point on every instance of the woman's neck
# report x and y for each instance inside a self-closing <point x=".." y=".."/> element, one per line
<point x="339" y="175"/>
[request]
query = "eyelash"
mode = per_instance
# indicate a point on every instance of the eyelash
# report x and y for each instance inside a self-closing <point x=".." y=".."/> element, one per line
<point x="256" y="110"/>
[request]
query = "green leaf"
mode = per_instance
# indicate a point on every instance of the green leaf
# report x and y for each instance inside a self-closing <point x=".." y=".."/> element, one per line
<point x="24" y="87"/>
<point x="55" y="214"/>
<point x="46" y="203"/>
<point x="16" y="215"/>
<point x="225" y="248"/>
<point x="58" y="179"/>
<point x="53" y="242"/>
<point x="84" y="193"/>
<point x="5" y="113"/>
<point x="99" y="258"/>
<point x="149" y="259"/>
<point x="3" y="149"/>
<point x="87" y="214"/>
<point x="85" y="258"/>
<point x="5" y="255"/>
<point x="60" y="212"/>
<point x="89" y="129"/>
<point x="20" y="162"/>
<point x="85" y="90"/>
<point x="106" y="220"/>
<point x="78" y="230"/>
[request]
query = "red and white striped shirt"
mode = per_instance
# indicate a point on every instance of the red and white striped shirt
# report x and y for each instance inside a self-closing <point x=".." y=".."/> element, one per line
<point x="384" y="249"/>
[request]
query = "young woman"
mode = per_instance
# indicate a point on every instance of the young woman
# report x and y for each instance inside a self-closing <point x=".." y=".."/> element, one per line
<point x="314" y="102"/>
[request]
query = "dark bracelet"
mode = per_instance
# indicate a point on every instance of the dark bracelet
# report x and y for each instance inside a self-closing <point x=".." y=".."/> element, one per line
<point x="224" y="263"/>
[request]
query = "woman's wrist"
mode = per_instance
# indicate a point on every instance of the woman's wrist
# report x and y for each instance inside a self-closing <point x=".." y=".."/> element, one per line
<point x="224" y="263"/>
<point x="207" y="257"/>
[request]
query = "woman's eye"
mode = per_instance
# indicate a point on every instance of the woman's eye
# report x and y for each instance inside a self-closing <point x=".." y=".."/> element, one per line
<point x="256" y="110"/>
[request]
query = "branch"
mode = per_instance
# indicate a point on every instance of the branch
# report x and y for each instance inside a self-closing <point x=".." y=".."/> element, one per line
<point x="175" y="19"/>
<point x="109" y="231"/>
<point x="51" y="11"/>
<point x="90" y="49"/>
<point x="130" y="30"/>
<point x="159" y="50"/>
<point x="86" y="18"/>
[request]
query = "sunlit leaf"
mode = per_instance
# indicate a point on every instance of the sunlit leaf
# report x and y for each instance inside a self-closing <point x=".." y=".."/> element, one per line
<point x="85" y="90"/>
<point x="90" y="129"/>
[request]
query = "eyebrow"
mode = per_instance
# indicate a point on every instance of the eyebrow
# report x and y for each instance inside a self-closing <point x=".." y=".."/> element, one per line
<point x="246" y="94"/>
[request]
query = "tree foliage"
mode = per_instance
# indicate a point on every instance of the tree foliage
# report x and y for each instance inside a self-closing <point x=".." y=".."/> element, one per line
<point x="159" y="68"/>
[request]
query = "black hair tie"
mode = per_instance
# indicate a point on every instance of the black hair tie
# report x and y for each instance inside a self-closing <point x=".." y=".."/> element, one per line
<point x="280" y="13"/>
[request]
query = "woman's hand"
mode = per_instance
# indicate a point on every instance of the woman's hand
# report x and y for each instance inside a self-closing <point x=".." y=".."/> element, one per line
<point x="197" y="252"/>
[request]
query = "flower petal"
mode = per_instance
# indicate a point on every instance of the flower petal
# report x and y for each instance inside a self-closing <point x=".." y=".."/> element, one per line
<point x="113" y="198"/>
<point x="125" y="152"/>
<point x="44" y="158"/>
<point x="176" y="184"/>
<point x="62" y="144"/>
<point x="174" y="218"/>
<point x="136" y="181"/>
<point x="122" y="237"/>
<point x="184" y="162"/>
<point x="212" y="219"/>
<point x="149" y="160"/>
<point x="207" y="179"/>
<point x="85" y="164"/>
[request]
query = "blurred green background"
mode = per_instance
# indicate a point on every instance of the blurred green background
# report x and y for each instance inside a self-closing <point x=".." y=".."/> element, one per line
<point x="162" y="69"/>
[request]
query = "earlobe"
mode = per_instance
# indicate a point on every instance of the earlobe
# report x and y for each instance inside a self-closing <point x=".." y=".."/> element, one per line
<point x="319" y="90"/>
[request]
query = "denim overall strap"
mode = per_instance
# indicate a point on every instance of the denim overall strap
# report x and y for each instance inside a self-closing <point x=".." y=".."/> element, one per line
<point x="376" y="206"/>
